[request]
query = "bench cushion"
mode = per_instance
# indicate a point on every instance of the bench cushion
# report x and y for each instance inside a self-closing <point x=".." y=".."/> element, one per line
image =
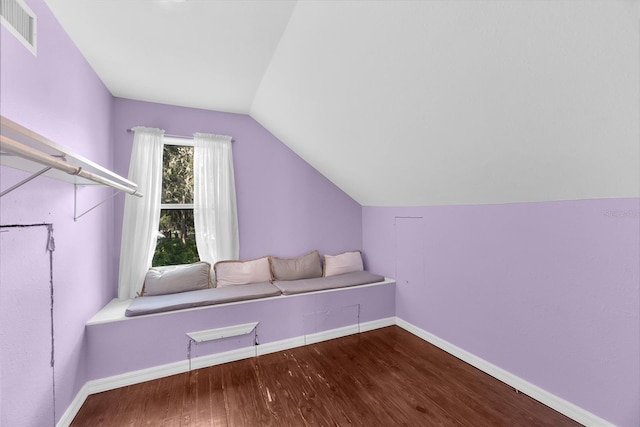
<point x="305" y="266"/>
<point x="346" y="262"/>
<point x="332" y="282"/>
<point x="237" y="272"/>
<point x="172" y="279"/>
<point x="182" y="300"/>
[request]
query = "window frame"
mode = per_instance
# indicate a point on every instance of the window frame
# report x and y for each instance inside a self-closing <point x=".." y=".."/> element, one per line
<point x="184" y="142"/>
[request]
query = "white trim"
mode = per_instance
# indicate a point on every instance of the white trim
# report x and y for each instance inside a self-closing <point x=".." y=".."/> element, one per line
<point x="176" y="206"/>
<point x="226" y="332"/>
<point x="348" y="330"/>
<point x="135" y="377"/>
<point x="274" y="347"/>
<point x="74" y="407"/>
<point x="330" y="334"/>
<point x="220" y="358"/>
<point x="33" y="48"/>
<point x="186" y="141"/>
<point x="148" y="374"/>
<point x="377" y="324"/>
<point x="564" y="407"/>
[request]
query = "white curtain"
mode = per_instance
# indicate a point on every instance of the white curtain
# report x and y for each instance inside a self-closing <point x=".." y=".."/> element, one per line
<point x="141" y="214"/>
<point x="215" y="214"/>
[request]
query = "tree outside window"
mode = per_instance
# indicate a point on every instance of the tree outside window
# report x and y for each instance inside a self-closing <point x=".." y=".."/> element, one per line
<point x="176" y="242"/>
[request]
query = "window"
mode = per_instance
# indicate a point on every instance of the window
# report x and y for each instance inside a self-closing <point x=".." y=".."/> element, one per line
<point x="198" y="190"/>
<point x="176" y="242"/>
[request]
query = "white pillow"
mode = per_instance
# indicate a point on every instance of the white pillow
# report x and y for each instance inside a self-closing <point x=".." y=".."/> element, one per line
<point x="172" y="279"/>
<point x="343" y="263"/>
<point x="235" y="272"/>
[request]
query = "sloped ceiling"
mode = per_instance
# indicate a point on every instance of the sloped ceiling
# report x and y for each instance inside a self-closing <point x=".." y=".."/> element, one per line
<point x="399" y="103"/>
<point x="202" y="54"/>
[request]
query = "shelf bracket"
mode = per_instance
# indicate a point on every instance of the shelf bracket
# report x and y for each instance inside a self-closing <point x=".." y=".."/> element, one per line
<point x="29" y="178"/>
<point x="77" y="216"/>
<point x="24" y="181"/>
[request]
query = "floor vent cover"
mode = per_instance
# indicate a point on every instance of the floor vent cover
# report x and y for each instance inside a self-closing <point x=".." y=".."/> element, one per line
<point x="20" y="21"/>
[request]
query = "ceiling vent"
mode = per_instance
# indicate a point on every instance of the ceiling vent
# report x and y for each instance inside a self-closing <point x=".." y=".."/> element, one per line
<point x="20" y="21"/>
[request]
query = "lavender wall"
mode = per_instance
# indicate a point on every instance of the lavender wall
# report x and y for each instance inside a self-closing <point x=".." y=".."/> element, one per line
<point x="18" y="355"/>
<point x="285" y="207"/>
<point x="57" y="94"/>
<point x="548" y="291"/>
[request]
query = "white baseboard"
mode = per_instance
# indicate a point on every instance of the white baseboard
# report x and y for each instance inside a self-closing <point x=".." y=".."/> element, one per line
<point x="96" y="386"/>
<point x="287" y="344"/>
<point x="135" y="377"/>
<point x="142" y="375"/>
<point x="564" y="407"/>
<point x="68" y="415"/>
<point x="377" y="324"/>
<point x="273" y="347"/>
<point x="330" y="334"/>
<point x="348" y="330"/>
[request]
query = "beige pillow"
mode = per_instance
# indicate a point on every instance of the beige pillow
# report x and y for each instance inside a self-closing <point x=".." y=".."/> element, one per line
<point x="343" y="263"/>
<point x="172" y="279"/>
<point x="305" y="266"/>
<point x="236" y="272"/>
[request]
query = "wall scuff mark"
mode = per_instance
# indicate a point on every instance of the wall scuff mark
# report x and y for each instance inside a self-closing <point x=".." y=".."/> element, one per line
<point x="50" y="248"/>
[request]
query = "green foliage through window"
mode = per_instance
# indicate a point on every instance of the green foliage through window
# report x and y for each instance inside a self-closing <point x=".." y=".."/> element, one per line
<point x="177" y="174"/>
<point x="176" y="242"/>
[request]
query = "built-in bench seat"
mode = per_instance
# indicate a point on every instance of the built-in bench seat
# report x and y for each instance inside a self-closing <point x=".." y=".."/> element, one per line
<point x="125" y="350"/>
<point x="204" y="297"/>
<point x="181" y="300"/>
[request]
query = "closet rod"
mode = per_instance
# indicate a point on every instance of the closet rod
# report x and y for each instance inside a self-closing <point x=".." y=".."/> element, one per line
<point x="174" y="136"/>
<point x="27" y="152"/>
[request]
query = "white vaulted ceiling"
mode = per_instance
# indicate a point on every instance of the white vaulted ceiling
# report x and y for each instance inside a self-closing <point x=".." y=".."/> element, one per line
<point x="399" y="103"/>
<point x="204" y="54"/>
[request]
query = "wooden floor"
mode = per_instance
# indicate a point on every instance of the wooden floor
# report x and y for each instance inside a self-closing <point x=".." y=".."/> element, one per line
<point x="385" y="377"/>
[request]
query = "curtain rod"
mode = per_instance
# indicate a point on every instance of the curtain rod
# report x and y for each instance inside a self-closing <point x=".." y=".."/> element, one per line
<point x="175" y="136"/>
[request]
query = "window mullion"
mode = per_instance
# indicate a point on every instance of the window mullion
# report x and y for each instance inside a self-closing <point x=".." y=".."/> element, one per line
<point x="176" y="206"/>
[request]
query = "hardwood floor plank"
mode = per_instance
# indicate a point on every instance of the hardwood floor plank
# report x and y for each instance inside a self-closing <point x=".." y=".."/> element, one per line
<point x="151" y="405"/>
<point x="358" y="391"/>
<point x="172" y="393"/>
<point x="487" y="397"/>
<point x="283" y="387"/>
<point x="189" y="402"/>
<point x="96" y="408"/>
<point x="244" y="402"/>
<point x="292" y="392"/>
<point x="331" y="397"/>
<point x="379" y="378"/>
<point x="445" y="391"/>
<point x="211" y="406"/>
<point x="384" y="388"/>
<point x="203" y="408"/>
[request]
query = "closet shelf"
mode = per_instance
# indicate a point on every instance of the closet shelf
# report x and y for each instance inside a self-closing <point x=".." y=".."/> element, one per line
<point x="26" y="150"/>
